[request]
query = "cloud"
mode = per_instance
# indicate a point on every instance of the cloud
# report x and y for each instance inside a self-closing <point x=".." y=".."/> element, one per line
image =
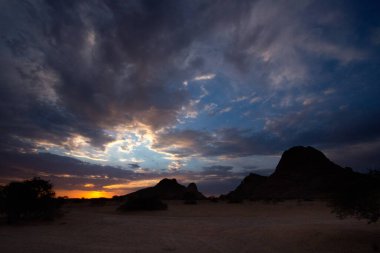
<point x="329" y="91"/>
<point x="204" y="77"/>
<point x="239" y="99"/>
<point x="100" y="79"/>
<point x="217" y="169"/>
<point x="133" y="165"/>
<point x="128" y="58"/>
<point x="361" y="156"/>
<point x="225" y="142"/>
<point x="175" y="165"/>
<point x="224" y="110"/>
<point x="308" y="126"/>
<point x="255" y="100"/>
<point x="76" y="178"/>
<point x="210" y="108"/>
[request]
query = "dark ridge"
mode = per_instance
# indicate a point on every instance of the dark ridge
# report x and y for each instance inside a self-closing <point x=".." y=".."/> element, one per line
<point x="192" y="193"/>
<point x="302" y="173"/>
<point x="247" y="187"/>
<point x="304" y="160"/>
<point x="167" y="189"/>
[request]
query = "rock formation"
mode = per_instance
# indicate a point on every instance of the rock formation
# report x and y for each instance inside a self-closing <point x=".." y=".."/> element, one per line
<point x="168" y="189"/>
<point x="302" y="173"/>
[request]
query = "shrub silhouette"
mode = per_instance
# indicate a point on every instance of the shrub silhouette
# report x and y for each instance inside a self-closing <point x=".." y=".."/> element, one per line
<point x="30" y="199"/>
<point x="98" y="201"/>
<point x="190" y="198"/>
<point x="213" y="199"/>
<point x="143" y="203"/>
<point x="235" y="199"/>
<point x="2" y="200"/>
<point x="358" y="197"/>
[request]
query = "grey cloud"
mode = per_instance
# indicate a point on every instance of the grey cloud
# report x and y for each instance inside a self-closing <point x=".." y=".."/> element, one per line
<point x="224" y="142"/>
<point x="217" y="169"/>
<point x="309" y="126"/>
<point x="133" y="165"/>
<point x="92" y="66"/>
<point x="79" y="67"/>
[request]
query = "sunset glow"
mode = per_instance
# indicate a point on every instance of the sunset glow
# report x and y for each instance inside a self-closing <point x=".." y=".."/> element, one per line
<point x="84" y="194"/>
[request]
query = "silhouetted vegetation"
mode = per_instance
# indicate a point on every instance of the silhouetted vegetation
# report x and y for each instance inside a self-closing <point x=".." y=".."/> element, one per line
<point x="358" y="197"/>
<point x="143" y="203"/>
<point x="99" y="201"/>
<point x="118" y="198"/>
<point x="213" y="199"/>
<point x="2" y="200"/>
<point x="273" y="201"/>
<point x="190" y="198"/>
<point x="235" y="199"/>
<point x="30" y="199"/>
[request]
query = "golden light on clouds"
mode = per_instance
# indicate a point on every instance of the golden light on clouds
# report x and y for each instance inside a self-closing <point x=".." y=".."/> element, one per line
<point x="133" y="184"/>
<point x="89" y="185"/>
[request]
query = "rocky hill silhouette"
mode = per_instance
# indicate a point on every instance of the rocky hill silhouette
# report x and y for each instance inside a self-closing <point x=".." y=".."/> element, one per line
<point x="167" y="189"/>
<point x="302" y="173"/>
<point x="247" y="187"/>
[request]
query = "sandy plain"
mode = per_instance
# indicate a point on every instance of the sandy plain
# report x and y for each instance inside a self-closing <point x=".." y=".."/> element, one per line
<point x="289" y="226"/>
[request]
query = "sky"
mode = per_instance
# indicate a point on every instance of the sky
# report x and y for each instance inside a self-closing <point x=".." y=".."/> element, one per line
<point x="105" y="97"/>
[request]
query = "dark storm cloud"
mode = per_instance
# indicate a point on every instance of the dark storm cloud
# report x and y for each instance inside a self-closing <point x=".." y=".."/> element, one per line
<point x="326" y="128"/>
<point x="65" y="71"/>
<point x="309" y="126"/>
<point x="133" y="165"/>
<point x="79" y="67"/>
<point x="217" y="168"/>
<point x="224" y="142"/>
<point x="73" y="68"/>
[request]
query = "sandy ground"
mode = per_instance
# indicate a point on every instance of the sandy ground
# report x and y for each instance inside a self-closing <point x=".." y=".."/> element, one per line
<point x="206" y="227"/>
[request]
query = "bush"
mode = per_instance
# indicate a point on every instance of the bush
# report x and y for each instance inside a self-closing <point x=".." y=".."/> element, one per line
<point x="143" y="203"/>
<point x="30" y="199"/>
<point x="359" y="197"/>
<point x="2" y="200"/>
<point x="190" y="198"/>
<point x="235" y="199"/>
<point x="213" y="199"/>
<point x="99" y="201"/>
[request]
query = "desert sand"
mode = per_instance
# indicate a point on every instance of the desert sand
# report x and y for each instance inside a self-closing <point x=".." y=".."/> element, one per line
<point x="207" y="227"/>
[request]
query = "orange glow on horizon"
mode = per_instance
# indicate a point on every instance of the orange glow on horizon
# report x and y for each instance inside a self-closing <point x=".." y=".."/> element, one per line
<point x="84" y="194"/>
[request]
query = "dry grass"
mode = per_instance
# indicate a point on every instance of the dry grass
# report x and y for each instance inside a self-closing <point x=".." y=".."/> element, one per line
<point x="206" y="227"/>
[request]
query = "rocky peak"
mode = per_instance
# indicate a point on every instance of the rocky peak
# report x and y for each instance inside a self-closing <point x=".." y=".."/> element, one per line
<point x="303" y="160"/>
<point x="192" y="187"/>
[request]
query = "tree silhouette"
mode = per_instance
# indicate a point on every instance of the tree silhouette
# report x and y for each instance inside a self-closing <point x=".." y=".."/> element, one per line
<point x="29" y="199"/>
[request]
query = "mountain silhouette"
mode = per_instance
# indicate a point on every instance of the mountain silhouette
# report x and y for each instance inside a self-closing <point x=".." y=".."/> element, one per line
<point x="193" y="190"/>
<point x="168" y="189"/>
<point x="302" y="173"/>
<point x="247" y="187"/>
